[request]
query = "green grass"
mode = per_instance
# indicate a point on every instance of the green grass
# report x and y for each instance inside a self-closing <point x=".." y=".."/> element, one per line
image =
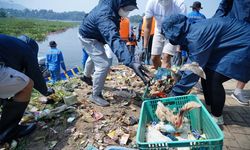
<point x="36" y="29"/>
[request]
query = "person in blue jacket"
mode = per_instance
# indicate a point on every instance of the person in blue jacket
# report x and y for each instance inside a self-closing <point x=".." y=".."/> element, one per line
<point x="54" y="59"/>
<point x="221" y="47"/>
<point x="19" y="73"/>
<point x="195" y="15"/>
<point x="101" y="27"/>
<point x="239" y="9"/>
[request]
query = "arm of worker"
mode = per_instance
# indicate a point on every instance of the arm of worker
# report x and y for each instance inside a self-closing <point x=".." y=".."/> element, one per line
<point x="62" y="61"/>
<point x="224" y="7"/>
<point x="32" y="71"/>
<point x="199" y="53"/>
<point x="139" y="31"/>
<point x="110" y="33"/>
<point x="147" y="30"/>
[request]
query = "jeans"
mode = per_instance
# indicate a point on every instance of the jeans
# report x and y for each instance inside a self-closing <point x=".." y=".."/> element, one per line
<point x="214" y="91"/>
<point x="97" y="62"/>
<point x="55" y="75"/>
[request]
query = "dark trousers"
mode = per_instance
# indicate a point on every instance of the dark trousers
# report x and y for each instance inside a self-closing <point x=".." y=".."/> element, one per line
<point x="214" y="91"/>
<point x="148" y="53"/>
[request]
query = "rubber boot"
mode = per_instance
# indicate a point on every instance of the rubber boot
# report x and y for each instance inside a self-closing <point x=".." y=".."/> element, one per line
<point x="12" y="113"/>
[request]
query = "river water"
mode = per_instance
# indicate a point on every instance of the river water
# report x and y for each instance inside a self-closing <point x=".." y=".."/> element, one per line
<point x="70" y="46"/>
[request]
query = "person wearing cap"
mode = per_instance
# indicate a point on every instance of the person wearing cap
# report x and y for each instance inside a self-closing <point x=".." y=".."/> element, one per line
<point x="195" y="15"/>
<point x="239" y="9"/>
<point x="19" y="73"/>
<point x="220" y="46"/>
<point x="101" y="27"/>
<point x="54" y="59"/>
<point x="161" y="47"/>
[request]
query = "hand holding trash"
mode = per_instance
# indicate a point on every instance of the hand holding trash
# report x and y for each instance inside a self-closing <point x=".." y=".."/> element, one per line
<point x="140" y="71"/>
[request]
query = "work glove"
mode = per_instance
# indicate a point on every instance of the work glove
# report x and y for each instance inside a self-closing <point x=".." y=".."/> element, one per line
<point x="140" y="71"/>
<point x="50" y="91"/>
<point x="142" y="55"/>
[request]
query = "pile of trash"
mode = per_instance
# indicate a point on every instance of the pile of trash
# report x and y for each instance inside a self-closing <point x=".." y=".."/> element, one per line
<point x="67" y="119"/>
<point x="172" y="126"/>
<point x="164" y="79"/>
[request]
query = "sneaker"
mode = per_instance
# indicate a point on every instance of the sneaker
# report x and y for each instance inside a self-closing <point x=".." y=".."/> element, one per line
<point x="87" y="80"/>
<point x="218" y="120"/>
<point x="99" y="100"/>
<point x="240" y="99"/>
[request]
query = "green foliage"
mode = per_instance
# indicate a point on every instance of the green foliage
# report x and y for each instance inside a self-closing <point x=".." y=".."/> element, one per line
<point x="3" y="14"/>
<point x="36" y="29"/>
<point x="46" y="14"/>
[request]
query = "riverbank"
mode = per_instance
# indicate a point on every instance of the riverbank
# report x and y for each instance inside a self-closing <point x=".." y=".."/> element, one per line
<point x="36" y="29"/>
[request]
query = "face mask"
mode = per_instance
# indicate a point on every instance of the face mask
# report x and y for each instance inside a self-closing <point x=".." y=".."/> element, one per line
<point x="123" y="13"/>
<point x="164" y="2"/>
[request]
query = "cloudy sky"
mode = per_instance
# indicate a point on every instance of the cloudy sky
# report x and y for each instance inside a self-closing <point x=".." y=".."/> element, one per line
<point x="86" y="5"/>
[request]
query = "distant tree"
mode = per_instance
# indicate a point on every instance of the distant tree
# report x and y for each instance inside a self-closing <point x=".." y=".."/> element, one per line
<point x="3" y="14"/>
<point x="46" y="14"/>
<point x="135" y="18"/>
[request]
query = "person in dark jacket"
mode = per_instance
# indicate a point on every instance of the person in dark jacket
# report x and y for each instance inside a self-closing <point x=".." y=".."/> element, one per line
<point x="221" y="47"/>
<point x="101" y="27"/>
<point x="239" y="9"/>
<point x="19" y="72"/>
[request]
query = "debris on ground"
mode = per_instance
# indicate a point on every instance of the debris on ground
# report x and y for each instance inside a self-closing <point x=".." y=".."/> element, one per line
<point x="67" y="120"/>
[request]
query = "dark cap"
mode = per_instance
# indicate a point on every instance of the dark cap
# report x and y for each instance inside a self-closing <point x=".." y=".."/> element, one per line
<point x="52" y="44"/>
<point x="197" y="4"/>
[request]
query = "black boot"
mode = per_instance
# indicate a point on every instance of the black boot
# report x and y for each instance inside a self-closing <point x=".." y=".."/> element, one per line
<point x="12" y="113"/>
<point x="87" y="80"/>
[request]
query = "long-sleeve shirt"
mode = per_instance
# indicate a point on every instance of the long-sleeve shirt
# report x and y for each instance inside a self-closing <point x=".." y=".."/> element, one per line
<point x="55" y="59"/>
<point x="18" y="55"/>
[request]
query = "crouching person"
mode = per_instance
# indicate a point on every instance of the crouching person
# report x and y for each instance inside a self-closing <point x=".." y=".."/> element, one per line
<point x="19" y="73"/>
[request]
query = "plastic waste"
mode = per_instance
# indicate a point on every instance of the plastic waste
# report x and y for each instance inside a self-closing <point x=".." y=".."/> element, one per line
<point x="166" y="114"/>
<point x="154" y="136"/>
<point x="165" y="128"/>
<point x="117" y="148"/>
<point x="195" y="68"/>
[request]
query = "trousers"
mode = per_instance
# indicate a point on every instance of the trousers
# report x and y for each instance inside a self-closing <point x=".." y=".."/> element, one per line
<point x="97" y="62"/>
<point x="214" y="91"/>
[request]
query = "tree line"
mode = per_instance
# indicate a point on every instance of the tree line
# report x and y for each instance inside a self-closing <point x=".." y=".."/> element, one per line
<point x="43" y="14"/>
<point x="51" y="15"/>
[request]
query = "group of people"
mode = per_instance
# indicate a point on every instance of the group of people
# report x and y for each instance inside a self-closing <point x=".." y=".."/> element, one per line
<point x="220" y="45"/>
